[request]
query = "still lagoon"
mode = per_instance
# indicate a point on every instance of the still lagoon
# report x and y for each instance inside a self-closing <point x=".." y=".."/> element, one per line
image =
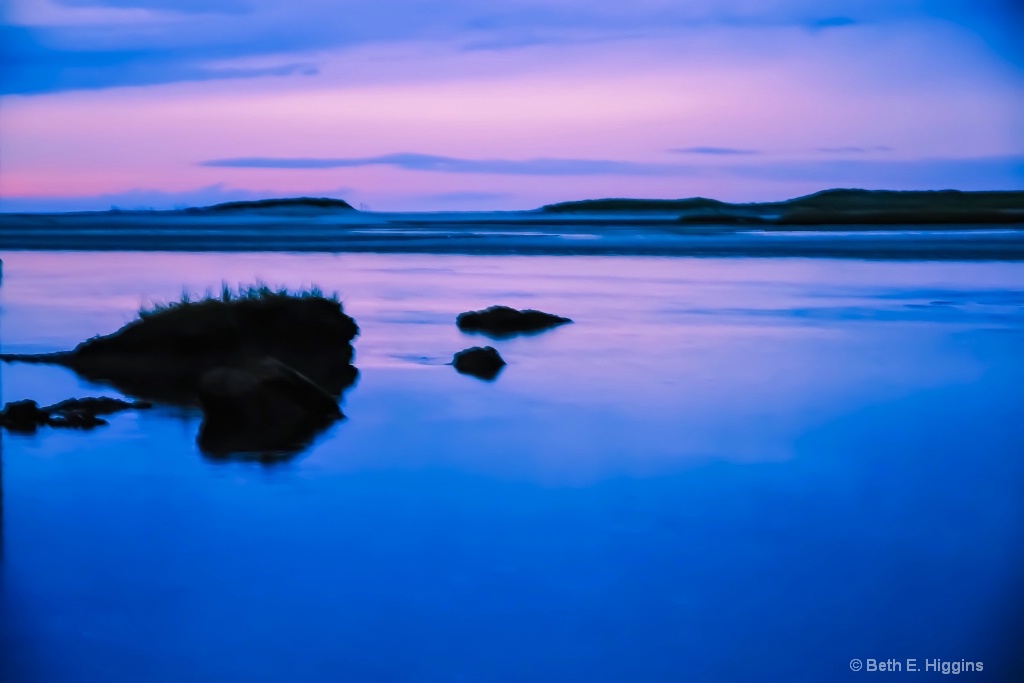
<point x="725" y="469"/>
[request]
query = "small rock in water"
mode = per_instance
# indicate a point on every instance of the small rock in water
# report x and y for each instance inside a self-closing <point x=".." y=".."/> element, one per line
<point x="22" y="416"/>
<point x="483" y="362"/>
<point x="502" y="321"/>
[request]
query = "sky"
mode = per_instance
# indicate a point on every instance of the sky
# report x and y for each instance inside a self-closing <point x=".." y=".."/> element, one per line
<point x="425" y="105"/>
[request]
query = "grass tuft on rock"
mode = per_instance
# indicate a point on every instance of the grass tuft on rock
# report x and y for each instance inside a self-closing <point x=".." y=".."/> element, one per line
<point x="163" y="354"/>
<point x="260" y="291"/>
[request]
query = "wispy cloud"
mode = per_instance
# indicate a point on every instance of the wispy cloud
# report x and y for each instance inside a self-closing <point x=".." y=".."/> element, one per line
<point x="996" y="172"/>
<point x="187" y="6"/>
<point x="854" y="150"/>
<point x="182" y="40"/>
<point x="467" y="196"/>
<point x="32" y="67"/>
<point x="714" y="151"/>
<point x="830" y="22"/>
<point x="440" y="164"/>
<point x="1000" y="171"/>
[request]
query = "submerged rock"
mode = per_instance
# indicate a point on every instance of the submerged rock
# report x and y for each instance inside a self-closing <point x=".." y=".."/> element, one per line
<point x="75" y="413"/>
<point x="502" y="321"/>
<point x="482" y="362"/>
<point x="261" y="408"/>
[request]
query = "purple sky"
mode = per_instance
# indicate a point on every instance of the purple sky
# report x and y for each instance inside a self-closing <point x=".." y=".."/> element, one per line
<point x="460" y="104"/>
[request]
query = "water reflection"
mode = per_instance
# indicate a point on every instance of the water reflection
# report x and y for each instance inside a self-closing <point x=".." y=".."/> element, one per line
<point x="720" y="470"/>
<point x="1" y="466"/>
<point x="1" y="430"/>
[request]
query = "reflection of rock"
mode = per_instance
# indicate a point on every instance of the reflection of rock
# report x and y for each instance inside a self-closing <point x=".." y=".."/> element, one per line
<point x="502" y="321"/>
<point x="483" y="362"/>
<point x="76" y="413"/>
<point x="264" y="407"/>
<point x="76" y="419"/>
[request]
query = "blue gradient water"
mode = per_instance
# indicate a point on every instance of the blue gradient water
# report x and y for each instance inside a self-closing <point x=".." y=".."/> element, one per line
<point x="724" y="470"/>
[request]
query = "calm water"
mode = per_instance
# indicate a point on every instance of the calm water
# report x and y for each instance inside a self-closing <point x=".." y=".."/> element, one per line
<point x="725" y="470"/>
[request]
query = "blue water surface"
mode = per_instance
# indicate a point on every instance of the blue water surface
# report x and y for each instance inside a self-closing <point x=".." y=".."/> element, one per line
<point x="724" y="470"/>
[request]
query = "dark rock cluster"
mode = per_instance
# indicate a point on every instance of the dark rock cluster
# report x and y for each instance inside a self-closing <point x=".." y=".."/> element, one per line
<point x="266" y="370"/>
<point x="75" y="413"/>
<point x="498" y="322"/>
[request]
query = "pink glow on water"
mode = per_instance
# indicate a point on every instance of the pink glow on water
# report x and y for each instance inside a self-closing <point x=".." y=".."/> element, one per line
<point x="674" y="326"/>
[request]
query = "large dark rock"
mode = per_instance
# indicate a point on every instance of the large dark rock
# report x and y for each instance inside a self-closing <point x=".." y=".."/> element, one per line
<point x="163" y="355"/>
<point x="266" y="367"/>
<point x="483" y="362"/>
<point x="262" y="409"/>
<point x="502" y="321"/>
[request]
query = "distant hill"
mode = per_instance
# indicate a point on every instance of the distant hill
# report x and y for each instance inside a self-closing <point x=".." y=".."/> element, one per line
<point x="884" y="206"/>
<point x="829" y="207"/>
<point x="636" y="205"/>
<point x="288" y="205"/>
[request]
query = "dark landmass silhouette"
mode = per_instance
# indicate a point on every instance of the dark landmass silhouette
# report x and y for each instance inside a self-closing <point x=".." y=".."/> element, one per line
<point x="829" y="207"/>
<point x="299" y="204"/>
<point x="637" y="205"/>
<point x="263" y="360"/>
<point x="946" y="224"/>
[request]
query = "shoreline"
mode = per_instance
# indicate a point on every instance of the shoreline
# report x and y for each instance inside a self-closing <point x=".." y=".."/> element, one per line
<point x="510" y="233"/>
<point x="839" y="223"/>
